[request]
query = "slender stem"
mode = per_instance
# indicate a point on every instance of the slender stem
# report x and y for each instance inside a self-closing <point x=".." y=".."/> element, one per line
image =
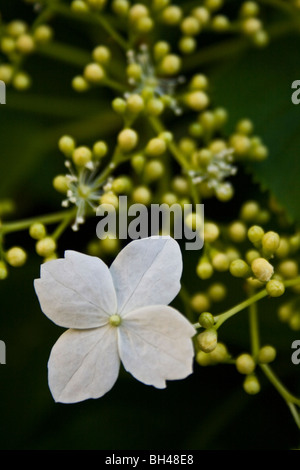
<point x="254" y="329"/>
<point x="64" y="224"/>
<point x="92" y="18"/>
<point x="251" y="300"/>
<point x="288" y="397"/>
<point x="44" y="219"/>
<point x="245" y="304"/>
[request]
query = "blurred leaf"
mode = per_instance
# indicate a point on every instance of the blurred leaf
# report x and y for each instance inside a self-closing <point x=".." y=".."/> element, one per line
<point x="258" y="86"/>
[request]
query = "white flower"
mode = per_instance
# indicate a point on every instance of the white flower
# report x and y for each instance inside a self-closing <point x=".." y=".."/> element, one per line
<point x="113" y="315"/>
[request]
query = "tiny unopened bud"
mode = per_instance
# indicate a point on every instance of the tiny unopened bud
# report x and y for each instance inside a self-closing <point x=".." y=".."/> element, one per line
<point x="266" y="354"/>
<point x="207" y="340"/>
<point x="46" y="247"/>
<point x="275" y="288"/>
<point x="16" y="256"/>
<point x="251" y="385"/>
<point x="245" y="364"/>
<point x="262" y="269"/>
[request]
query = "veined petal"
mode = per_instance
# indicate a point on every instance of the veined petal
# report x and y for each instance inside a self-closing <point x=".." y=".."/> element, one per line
<point x="83" y="364"/>
<point x="155" y="345"/>
<point x="147" y="272"/>
<point x="76" y="292"/>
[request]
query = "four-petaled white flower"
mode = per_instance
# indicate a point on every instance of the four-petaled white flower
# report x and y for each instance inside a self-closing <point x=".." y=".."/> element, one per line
<point x="115" y="314"/>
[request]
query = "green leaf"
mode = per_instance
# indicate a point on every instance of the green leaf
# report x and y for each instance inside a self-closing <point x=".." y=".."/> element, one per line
<point x="258" y="86"/>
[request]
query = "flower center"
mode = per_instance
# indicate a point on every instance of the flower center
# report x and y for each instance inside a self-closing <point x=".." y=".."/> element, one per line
<point x="115" y="320"/>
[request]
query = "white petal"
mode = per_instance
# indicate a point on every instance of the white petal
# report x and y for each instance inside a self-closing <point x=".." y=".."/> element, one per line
<point x="147" y="272"/>
<point x="155" y="345"/>
<point x="76" y="292"/>
<point x="83" y="364"/>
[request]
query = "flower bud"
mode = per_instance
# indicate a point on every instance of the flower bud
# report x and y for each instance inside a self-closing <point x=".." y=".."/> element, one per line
<point x="239" y="268"/>
<point x="270" y="242"/>
<point x="81" y="156"/>
<point x="207" y="340"/>
<point x="66" y="145"/>
<point x="251" y="385"/>
<point x="46" y="247"/>
<point x="262" y="269"/>
<point x="255" y="234"/>
<point x="275" y="288"/>
<point x="3" y="271"/>
<point x="16" y="256"/>
<point x="127" y="140"/>
<point x="266" y="354"/>
<point x="94" y="73"/>
<point x="37" y="231"/>
<point x="200" y="302"/>
<point x="206" y="320"/>
<point x="245" y="364"/>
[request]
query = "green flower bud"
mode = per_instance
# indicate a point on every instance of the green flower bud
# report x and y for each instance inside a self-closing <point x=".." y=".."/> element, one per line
<point x="80" y="84"/>
<point x="250" y="211"/>
<point x="220" y="262"/>
<point x="239" y="268"/>
<point x="171" y="15"/>
<point x="154" y="170"/>
<point x="207" y="340"/>
<point x="81" y="156"/>
<point x="266" y="354"/>
<point x="285" y="312"/>
<point x="288" y="268"/>
<point x="190" y="26"/>
<point x="206" y="320"/>
<point x="101" y="54"/>
<point x="120" y="7"/>
<point x="94" y="73"/>
<point x="211" y="232"/>
<point x="270" y="242"/>
<point x="156" y="147"/>
<point x="43" y="34"/>
<point x="245" y="364"/>
<point x="141" y="195"/>
<point x="251" y="385"/>
<point x="122" y="184"/>
<point x="37" y="231"/>
<point x="46" y="247"/>
<point x="25" y="44"/>
<point x="3" y="271"/>
<point x="255" y="234"/>
<point x="100" y="149"/>
<point x="200" y="302"/>
<point x="66" y="145"/>
<point x="275" y="288"/>
<point x="61" y="184"/>
<point x="217" y="292"/>
<point x="138" y="163"/>
<point x="155" y="106"/>
<point x="171" y="64"/>
<point x="204" y="269"/>
<point x="237" y="232"/>
<point x="16" y="256"/>
<point x="197" y="100"/>
<point x="127" y="140"/>
<point x="187" y="45"/>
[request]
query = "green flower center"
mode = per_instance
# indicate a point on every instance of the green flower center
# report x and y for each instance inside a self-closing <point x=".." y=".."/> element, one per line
<point x="115" y="320"/>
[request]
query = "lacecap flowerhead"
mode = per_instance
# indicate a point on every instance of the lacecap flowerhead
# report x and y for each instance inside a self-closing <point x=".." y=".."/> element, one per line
<point x="117" y="314"/>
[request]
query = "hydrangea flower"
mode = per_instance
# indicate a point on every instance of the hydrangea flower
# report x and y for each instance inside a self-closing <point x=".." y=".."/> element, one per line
<point x="115" y="314"/>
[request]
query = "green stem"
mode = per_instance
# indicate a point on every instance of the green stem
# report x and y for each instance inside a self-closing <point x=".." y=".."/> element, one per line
<point x="64" y="224"/>
<point x="91" y="18"/>
<point x="254" y="329"/>
<point x="251" y="300"/>
<point x="44" y="219"/>
<point x="286" y="395"/>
